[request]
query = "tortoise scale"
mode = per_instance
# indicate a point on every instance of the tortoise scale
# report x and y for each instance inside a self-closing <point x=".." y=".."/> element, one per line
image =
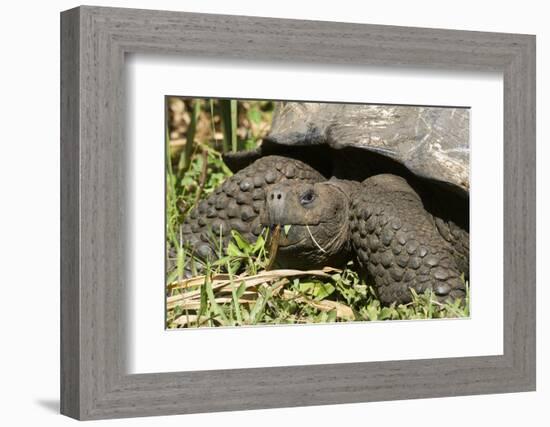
<point x="384" y="186"/>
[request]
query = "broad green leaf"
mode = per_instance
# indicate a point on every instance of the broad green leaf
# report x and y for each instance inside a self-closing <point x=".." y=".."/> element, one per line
<point x="318" y="290"/>
<point x="240" y="241"/>
<point x="260" y="243"/>
<point x="234" y="251"/>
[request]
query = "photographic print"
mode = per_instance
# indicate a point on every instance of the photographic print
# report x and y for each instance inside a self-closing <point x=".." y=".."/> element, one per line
<point x="371" y="230"/>
<point x="284" y="212"/>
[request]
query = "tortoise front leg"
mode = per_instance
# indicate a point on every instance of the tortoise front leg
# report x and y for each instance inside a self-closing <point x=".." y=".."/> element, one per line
<point x="399" y="244"/>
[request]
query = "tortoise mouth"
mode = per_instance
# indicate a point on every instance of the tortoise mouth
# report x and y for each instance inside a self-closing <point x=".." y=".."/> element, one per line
<point x="293" y="236"/>
<point x="284" y="242"/>
<point x="299" y="236"/>
<point x="304" y="224"/>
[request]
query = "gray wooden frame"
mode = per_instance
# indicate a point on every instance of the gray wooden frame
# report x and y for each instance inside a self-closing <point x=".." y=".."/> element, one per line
<point x="94" y="41"/>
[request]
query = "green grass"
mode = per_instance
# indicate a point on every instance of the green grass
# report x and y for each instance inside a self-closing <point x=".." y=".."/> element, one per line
<point x="239" y="289"/>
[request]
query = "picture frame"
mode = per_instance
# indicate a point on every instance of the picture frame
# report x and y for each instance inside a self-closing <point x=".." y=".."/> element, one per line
<point x="94" y="42"/>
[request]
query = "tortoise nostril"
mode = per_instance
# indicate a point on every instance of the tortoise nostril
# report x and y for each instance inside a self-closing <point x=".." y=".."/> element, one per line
<point x="272" y="197"/>
<point x="278" y="196"/>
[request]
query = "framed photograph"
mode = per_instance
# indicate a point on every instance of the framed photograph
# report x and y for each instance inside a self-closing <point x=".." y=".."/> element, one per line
<point x="277" y="213"/>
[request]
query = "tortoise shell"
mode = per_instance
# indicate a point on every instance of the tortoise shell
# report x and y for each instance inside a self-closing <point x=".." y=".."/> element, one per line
<point x="431" y="142"/>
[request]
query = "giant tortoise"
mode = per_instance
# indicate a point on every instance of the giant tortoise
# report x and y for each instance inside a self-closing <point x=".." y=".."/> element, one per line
<point x="384" y="186"/>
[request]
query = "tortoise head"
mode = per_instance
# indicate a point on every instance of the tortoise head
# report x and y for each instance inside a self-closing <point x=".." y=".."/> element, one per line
<point x="314" y="223"/>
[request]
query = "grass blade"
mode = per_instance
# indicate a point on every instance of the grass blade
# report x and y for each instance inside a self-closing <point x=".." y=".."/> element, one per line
<point x="185" y="159"/>
<point x="233" y="107"/>
<point x="237" y="306"/>
<point x="216" y="309"/>
<point x="228" y="114"/>
<point x="259" y="306"/>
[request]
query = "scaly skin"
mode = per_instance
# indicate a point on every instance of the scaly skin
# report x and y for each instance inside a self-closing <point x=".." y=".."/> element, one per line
<point x="400" y="243"/>
<point x="237" y="204"/>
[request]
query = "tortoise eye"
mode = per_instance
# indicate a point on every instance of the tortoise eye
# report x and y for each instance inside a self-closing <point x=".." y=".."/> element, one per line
<point x="307" y="197"/>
